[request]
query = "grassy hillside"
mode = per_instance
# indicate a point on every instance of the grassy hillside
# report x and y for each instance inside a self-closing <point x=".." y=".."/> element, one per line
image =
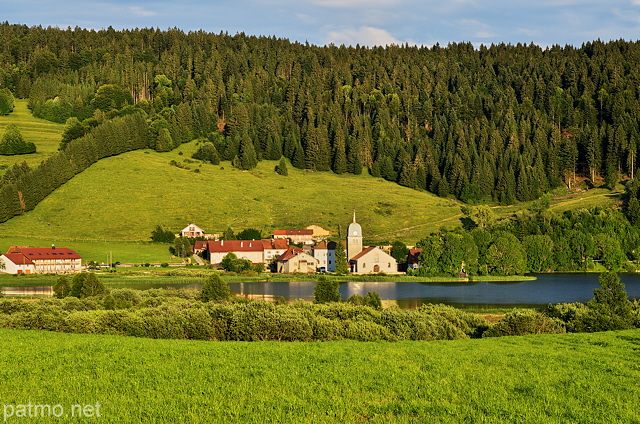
<point x="124" y="197"/>
<point x="46" y="135"/>
<point x="545" y="378"/>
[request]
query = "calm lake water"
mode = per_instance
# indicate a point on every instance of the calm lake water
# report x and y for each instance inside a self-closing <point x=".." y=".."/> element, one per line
<point x="548" y="288"/>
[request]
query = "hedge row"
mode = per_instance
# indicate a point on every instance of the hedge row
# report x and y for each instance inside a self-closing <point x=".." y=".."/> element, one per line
<point x="171" y="317"/>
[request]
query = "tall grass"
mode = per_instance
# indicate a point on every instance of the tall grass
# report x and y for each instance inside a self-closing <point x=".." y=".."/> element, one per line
<point x="547" y="378"/>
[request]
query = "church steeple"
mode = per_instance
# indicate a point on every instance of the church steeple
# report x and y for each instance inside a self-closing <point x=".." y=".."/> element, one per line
<point x="354" y="238"/>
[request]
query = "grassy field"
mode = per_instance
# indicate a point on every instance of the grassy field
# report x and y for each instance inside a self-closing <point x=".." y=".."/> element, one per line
<point x="544" y="378"/>
<point x="122" y="199"/>
<point x="46" y="135"/>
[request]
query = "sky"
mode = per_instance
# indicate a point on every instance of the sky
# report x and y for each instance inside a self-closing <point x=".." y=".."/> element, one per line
<point x="351" y="22"/>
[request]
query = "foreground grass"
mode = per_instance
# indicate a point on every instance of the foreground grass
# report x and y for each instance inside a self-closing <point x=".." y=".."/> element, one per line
<point x="544" y="378"/>
<point x="46" y="135"/>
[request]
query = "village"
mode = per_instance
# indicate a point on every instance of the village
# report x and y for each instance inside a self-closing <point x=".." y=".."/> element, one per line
<point x="302" y="251"/>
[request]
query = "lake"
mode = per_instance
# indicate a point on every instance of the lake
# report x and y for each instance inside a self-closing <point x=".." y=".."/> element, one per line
<point x="548" y="288"/>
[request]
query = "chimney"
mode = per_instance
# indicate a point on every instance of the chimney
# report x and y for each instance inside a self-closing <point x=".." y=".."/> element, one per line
<point x="241" y="244"/>
<point x="221" y="242"/>
<point x="53" y="247"/>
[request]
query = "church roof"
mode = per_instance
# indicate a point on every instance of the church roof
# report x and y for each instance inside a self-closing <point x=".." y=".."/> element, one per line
<point x="364" y="252"/>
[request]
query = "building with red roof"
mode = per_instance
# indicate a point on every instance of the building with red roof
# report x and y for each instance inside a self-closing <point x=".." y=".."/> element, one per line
<point x="296" y="260"/>
<point x="297" y="236"/>
<point x="256" y="251"/>
<point x="41" y="260"/>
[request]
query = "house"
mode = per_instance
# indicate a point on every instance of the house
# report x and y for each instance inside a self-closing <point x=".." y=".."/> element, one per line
<point x="256" y="251"/>
<point x="296" y="236"/>
<point x="199" y="247"/>
<point x="367" y="260"/>
<point x="44" y="260"/>
<point x="296" y="260"/>
<point x="193" y="231"/>
<point x="325" y="253"/>
<point x="16" y="263"/>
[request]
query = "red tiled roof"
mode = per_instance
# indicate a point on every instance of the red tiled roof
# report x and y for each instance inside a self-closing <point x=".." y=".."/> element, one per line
<point x="235" y="246"/>
<point x="18" y="258"/>
<point x="275" y="244"/>
<point x="42" y="253"/>
<point x="293" y="232"/>
<point x="290" y="253"/>
<point x="364" y="252"/>
<point x="200" y="244"/>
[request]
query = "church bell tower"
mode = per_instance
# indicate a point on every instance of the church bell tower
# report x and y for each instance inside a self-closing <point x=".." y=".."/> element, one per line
<point x="354" y="238"/>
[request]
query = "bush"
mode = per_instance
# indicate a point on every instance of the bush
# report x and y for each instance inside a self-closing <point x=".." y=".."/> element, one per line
<point x="373" y="300"/>
<point x="62" y="288"/>
<point x="367" y="331"/>
<point x="86" y="284"/>
<point x="215" y="289"/>
<point x="326" y="291"/>
<point x="520" y="322"/>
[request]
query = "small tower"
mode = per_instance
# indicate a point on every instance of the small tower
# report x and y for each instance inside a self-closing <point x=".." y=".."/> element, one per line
<point x="354" y="238"/>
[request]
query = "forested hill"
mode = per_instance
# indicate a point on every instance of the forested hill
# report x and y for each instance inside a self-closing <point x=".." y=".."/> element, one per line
<point x="500" y="123"/>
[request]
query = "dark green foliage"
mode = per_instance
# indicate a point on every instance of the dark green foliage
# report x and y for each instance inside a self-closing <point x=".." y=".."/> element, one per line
<point x="503" y="122"/>
<point x="6" y="101"/>
<point x="86" y="284"/>
<point x="520" y="322"/>
<point x="215" y="289"/>
<point x="249" y="234"/>
<point x="182" y="247"/>
<point x="372" y="299"/>
<point x="611" y="308"/>
<point x="13" y="143"/>
<point x="207" y="152"/>
<point x="73" y="129"/>
<point x="399" y="251"/>
<point x="232" y="263"/>
<point x="62" y="288"/>
<point x="506" y="256"/>
<point x="326" y="291"/>
<point x="281" y="167"/>
<point x="342" y="266"/>
<point x="160" y="235"/>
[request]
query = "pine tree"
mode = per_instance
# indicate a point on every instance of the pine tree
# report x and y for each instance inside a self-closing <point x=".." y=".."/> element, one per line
<point x="281" y="167"/>
<point x="342" y="266"/>
<point x="248" y="159"/>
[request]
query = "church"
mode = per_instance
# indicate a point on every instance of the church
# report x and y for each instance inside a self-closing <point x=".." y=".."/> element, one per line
<point x="368" y="260"/>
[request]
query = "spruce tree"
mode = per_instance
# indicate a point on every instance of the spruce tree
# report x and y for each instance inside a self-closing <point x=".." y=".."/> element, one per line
<point x="281" y="167"/>
<point x="248" y="158"/>
<point x="342" y="265"/>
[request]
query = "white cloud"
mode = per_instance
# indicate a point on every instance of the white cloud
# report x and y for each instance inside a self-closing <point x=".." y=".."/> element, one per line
<point x="138" y="11"/>
<point x="365" y="36"/>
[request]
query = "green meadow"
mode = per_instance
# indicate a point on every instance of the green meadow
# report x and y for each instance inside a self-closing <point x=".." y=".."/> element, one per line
<point x="46" y="135"/>
<point x="586" y="378"/>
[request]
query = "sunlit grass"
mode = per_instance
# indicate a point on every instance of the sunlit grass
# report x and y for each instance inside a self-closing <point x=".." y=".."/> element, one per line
<point x="543" y="378"/>
<point x="46" y="135"/>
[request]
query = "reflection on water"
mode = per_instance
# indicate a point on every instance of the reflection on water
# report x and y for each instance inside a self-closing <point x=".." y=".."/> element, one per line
<point x="548" y="288"/>
<point x="27" y="291"/>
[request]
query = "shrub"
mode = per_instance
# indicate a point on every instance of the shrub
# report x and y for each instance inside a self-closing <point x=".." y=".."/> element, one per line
<point x="126" y="298"/>
<point x="367" y="331"/>
<point x="326" y="291"/>
<point x="86" y="284"/>
<point x="215" y="289"/>
<point x="62" y="288"/>
<point x="520" y="322"/>
<point x="373" y="300"/>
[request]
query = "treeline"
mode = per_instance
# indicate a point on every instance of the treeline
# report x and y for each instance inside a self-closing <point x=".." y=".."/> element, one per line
<point x="22" y="187"/>
<point x="538" y="240"/>
<point x="502" y="122"/>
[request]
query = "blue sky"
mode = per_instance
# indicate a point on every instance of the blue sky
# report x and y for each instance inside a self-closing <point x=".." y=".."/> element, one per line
<point x="350" y="22"/>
